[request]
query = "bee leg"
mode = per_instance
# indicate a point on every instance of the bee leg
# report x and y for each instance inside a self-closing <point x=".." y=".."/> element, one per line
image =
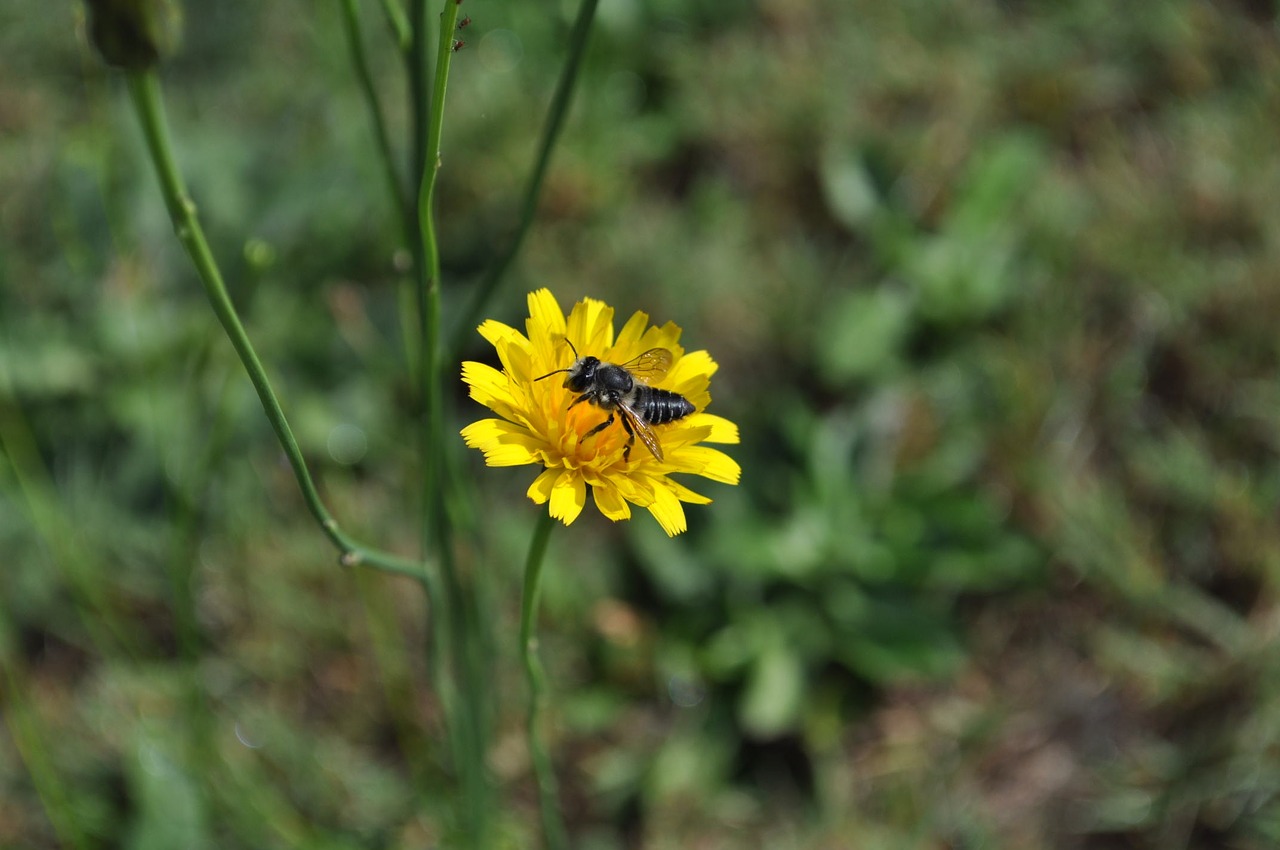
<point x="601" y="426"/>
<point x="631" y="440"/>
<point x="579" y="400"/>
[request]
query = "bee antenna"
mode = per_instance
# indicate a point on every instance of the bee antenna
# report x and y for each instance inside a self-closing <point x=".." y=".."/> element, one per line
<point x="558" y="371"/>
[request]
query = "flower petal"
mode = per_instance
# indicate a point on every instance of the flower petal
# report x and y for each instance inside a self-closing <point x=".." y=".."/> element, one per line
<point x="504" y="443"/>
<point x="698" y="428"/>
<point x="493" y="330"/>
<point x="667" y="336"/>
<point x="694" y="363"/>
<point x="722" y="430"/>
<point x="678" y="435"/>
<point x="610" y="502"/>
<point x="492" y="389"/>
<point x="540" y="490"/>
<point x="668" y="511"/>
<point x="546" y="329"/>
<point x="568" y="495"/>
<point x="684" y="494"/>
<point x="636" y="489"/>
<point x="627" y="345"/>
<point x="691" y="376"/>
<point x="591" y="326"/>
<point x="513" y="349"/>
<point x="710" y="463"/>
<point x="484" y="431"/>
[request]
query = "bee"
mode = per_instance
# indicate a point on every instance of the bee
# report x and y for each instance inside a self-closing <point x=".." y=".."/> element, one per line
<point x="624" y="391"/>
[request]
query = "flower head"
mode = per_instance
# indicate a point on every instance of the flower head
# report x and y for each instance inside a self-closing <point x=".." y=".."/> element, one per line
<point x="541" y="424"/>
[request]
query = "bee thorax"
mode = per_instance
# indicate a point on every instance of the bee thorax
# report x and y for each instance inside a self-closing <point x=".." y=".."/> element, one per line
<point x="614" y="379"/>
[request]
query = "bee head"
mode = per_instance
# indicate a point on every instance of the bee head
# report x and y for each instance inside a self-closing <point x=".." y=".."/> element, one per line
<point x="580" y="373"/>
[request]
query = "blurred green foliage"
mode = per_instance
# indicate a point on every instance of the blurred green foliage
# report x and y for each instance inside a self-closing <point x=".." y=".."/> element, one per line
<point x="992" y="286"/>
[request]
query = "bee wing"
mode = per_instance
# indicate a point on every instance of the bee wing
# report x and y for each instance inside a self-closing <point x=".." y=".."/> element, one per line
<point x="641" y="428"/>
<point x="651" y="365"/>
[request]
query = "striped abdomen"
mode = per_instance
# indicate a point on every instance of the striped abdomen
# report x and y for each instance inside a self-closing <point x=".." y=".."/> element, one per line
<point x="658" y="407"/>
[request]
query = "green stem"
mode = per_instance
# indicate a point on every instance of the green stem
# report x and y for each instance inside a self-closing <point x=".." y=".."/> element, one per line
<point x="78" y="562"/>
<point x="556" y="115"/>
<point x="429" y="280"/>
<point x="188" y="498"/>
<point x="552" y="826"/>
<point x="398" y="23"/>
<point x="355" y="43"/>
<point x="144" y="88"/>
<point x="34" y="742"/>
<point x="457" y="618"/>
<point x="188" y="492"/>
<point x="418" y="73"/>
<point x="435" y="131"/>
<point x="468" y="715"/>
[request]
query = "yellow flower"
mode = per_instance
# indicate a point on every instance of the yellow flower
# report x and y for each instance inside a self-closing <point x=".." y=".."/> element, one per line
<point x="539" y="426"/>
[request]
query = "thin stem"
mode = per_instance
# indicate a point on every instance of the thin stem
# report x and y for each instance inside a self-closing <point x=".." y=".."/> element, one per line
<point x="63" y="536"/>
<point x="188" y="494"/>
<point x="420" y="109"/>
<point x="360" y="59"/>
<point x="144" y="89"/>
<point x="32" y="739"/>
<point x="429" y="281"/>
<point x="552" y="826"/>
<point x="398" y="23"/>
<point x="467" y="719"/>
<point x="418" y="73"/>
<point x="556" y="115"/>
<point x="188" y="497"/>
<point x="435" y="131"/>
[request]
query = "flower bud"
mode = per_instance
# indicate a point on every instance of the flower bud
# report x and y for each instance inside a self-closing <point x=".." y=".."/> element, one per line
<point x="133" y="34"/>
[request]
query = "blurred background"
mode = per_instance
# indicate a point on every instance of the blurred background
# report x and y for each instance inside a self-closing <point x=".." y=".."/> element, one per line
<point x="994" y="291"/>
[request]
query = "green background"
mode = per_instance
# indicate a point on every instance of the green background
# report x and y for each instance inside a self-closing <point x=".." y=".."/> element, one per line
<point x="994" y="288"/>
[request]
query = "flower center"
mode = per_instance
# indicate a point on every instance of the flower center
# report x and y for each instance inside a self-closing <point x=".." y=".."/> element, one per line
<point x="604" y="447"/>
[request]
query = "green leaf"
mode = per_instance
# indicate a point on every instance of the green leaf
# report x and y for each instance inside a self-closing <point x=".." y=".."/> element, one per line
<point x="771" y="704"/>
<point x="900" y="639"/>
<point x="969" y="270"/>
<point x="847" y="188"/>
<point x="170" y="811"/>
<point x="863" y="334"/>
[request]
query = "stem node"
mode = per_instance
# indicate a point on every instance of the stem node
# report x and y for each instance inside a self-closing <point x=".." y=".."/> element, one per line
<point x="144" y="90"/>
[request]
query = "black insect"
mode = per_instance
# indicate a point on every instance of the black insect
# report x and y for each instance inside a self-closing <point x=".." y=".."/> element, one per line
<point x="623" y="390"/>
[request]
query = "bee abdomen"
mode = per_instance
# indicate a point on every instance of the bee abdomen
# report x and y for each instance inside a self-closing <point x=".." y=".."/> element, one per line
<point x="658" y="407"/>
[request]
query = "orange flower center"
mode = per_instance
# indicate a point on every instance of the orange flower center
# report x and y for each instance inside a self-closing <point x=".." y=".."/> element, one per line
<point x="569" y="427"/>
<point x="602" y="448"/>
